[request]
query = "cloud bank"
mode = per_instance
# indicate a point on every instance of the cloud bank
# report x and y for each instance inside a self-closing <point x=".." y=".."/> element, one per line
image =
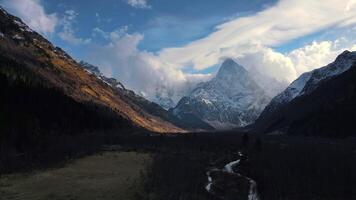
<point x="141" y="71"/>
<point x="274" y="70"/>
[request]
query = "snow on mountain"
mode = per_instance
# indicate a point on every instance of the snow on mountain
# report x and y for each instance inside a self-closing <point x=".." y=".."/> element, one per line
<point x="231" y="99"/>
<point x="320" y="102"/>
<point x="164" y="97"/>
<point x="342" y="63"/>
<point x="95" y="70"/>
<point x="23" y="27"/>
<point x="309" y="81"/>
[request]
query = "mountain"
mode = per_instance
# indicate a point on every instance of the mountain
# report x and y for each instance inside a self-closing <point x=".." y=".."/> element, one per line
<point x="39" y="64"/>
<point x="320" y="102"/>
<point x="164" y="97"/>
<point x="231" y="99"/>
<point x="95" y="70"/>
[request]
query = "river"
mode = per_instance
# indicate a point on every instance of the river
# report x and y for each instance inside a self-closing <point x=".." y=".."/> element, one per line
<point x="229" y="168"/>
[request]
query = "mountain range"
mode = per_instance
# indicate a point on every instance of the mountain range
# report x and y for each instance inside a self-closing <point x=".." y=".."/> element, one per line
<point x="54" y="68"/>
<point x="318" y="102"/>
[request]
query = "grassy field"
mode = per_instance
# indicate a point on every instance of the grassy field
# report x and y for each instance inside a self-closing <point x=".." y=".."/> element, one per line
<point x="111" y="175"/>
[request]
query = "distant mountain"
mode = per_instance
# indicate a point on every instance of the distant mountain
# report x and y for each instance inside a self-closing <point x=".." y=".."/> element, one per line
<point x="231" y="99"/>
<point x="51" y="67"/>
<point x="168" y="97"/>
<point x="164" y="97"/>
<point x="320" y="102"/>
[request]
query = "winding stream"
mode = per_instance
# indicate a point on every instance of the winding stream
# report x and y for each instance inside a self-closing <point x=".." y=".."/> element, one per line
<point x="228" y="168"/>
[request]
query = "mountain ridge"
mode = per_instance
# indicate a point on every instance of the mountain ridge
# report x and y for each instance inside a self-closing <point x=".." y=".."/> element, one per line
<point x="316" y="95"/>
<point x="306" y="82"/>
<point x="29" y="49"/>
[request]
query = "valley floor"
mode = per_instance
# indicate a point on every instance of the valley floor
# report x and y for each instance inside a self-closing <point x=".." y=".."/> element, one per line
<point x="106" y="176"/>
<point x="153" y="167"/>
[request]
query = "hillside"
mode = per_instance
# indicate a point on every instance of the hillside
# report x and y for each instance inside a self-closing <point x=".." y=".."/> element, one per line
<point x="323" y="105"/>
<point x="55" y="69"/>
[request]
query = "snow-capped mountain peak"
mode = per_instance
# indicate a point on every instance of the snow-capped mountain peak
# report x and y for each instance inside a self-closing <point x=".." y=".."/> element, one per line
<point x="230" y="69"/>
<point x="231" y="99"/>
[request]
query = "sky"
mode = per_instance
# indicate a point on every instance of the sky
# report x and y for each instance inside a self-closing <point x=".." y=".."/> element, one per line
<point x="162" y="48"/>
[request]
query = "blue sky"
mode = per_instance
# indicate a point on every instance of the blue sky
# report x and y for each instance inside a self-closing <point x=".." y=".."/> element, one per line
<point x="170" y="45"/>
<point x="164" y="23"/>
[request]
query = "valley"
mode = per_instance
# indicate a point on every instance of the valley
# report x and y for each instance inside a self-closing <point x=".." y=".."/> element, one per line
<point x="178" y="166"/>
<point x="71" y="130"/>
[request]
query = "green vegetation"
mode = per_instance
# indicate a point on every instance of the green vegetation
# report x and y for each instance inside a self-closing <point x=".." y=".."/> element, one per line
<point x="107" y="176"/>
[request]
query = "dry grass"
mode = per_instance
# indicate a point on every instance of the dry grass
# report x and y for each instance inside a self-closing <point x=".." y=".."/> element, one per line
<point x="108" y="176"/>
<point x="67" y="75"/>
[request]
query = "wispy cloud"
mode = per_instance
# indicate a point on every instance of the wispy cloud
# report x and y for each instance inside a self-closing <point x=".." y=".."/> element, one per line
<point x="112" y="35"/>
<point x="33" y="14"/>
<point x="143" y="4"/>
<point x="68" y="33"/>
<point x="287" y="20"/>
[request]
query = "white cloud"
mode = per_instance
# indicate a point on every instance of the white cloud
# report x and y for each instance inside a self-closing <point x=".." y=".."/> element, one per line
<point x="319" y="54"/>
<point x="143" y="4"/>
<point x="67" y="33"/>
<point x="270" y="67"/>
<point x="141" y="71"/>
<point x="113" y="35"/>
<point x="287" y="20"/>
<point x="287" y="67"/>
<point x="146" y="74"/>
<point x="33" y="14"/>
<point x="350" y="5"/>
<point x="249" y="39"/>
